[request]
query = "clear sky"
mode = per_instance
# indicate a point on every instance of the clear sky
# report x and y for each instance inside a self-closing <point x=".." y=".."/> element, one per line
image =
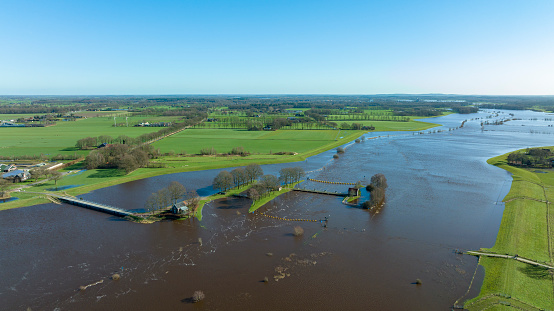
<point x="276" y="47"/>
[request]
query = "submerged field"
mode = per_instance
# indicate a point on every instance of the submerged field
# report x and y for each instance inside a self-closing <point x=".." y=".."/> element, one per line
<point x="525" y="231"/>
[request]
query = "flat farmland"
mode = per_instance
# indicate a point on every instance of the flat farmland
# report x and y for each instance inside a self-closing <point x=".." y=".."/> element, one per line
<point x="385" y="126"/>
<point x="223" y="140"/>
<point x="61" y="138"/>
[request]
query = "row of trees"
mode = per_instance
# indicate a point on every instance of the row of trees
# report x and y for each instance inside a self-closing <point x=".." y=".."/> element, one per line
<point x="93" y="142"/>
<point x="165" y="197"/>
<point x="237" y="177"/>
<point x="249" y="174"/>
<point x="120" y="157"/>
<point x="376" y="189"/>
<point x="356" y="126"/>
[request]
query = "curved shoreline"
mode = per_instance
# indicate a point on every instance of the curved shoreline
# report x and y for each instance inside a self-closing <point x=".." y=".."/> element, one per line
<point x="524" y="232"/>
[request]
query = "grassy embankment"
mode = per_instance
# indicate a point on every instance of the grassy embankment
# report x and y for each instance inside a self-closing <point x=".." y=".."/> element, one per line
<point x="261" y="202"/>
<point x="255" y="205"/>
<point x="526" y="231"/>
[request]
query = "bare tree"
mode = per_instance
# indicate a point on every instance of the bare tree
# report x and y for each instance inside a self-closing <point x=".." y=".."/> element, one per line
<point x="253" y="194"/>
<point x="285" y="175"/>
<point x="127" y="162"/>
<point x="176" y="191"/>
<point x="38" y="172"/>
<point x="270" y="182"/>
<point x="163" y="198"/>
<point x="193" y="200"/>
<point x="94" y="160"/>
<point x="297" y="173"/>
<point x="152" y="202"/>
<point x="239" y="176"/>
<point x="56" y="176"/>
<point x="223" y="181"/>
<point x="253" y="172"/>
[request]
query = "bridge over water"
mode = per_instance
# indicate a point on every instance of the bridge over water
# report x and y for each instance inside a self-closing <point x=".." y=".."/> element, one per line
<point x="86" y="204"/>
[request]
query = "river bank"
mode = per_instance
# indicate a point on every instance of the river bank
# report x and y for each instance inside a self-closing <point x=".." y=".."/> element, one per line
<point x="525" y="231"/>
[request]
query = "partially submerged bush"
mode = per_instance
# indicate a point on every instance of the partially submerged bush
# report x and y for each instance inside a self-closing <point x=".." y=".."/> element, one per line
<point x="357" y="140"/>
<point x="335" y="156"/>
<point x="198" y="296"/>
<point x="340" y="150"/>
<point x="298" y="231"/>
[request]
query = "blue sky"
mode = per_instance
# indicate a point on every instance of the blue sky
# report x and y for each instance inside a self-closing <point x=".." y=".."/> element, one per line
<point x="276" y="47"/>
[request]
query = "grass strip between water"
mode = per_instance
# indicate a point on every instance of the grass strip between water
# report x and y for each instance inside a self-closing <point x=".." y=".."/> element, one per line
<point x="525" y="231"/>
<point x="261" y="202"/>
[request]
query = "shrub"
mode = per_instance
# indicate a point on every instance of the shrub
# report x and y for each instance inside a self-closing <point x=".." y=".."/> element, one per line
<point x="298" y="231"/>
<point x="208" y="151"/>
<point x="198" y="296"/>
<point x="340" y="150"/>
<point x="357" y="140"/>
<point x="239" y="151"/>
<point x="335" y="156"/>
<point x="116" y="277"/>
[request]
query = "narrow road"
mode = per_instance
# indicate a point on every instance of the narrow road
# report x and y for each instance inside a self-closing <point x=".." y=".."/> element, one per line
<point x="524" y="260"/>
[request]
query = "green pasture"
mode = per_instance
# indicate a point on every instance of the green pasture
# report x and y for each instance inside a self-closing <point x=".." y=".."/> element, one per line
<point x="386" y="126"/>
<point x="223" y="140"/>
<point x="61" y="138"/>
<point x="16" y="116"/>
<point x="524" y="231"/>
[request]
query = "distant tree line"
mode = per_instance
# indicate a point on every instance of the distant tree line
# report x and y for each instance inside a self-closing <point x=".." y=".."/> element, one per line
<point x="532" y="157"/>
<point x="465" y="109"/>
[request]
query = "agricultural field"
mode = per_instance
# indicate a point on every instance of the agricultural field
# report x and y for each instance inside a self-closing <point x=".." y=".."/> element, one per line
<point x="61" y="138"/>
<point x="525" y="231"/>
<point x="385" y="126"/>
<point x="192" y="141"/>
<point x="16" y="116"/>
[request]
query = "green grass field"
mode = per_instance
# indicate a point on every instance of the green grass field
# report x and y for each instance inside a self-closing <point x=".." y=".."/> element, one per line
<point x="223" y="140"/>
<point x="386" y="126"/>
<point x="61" y="138"/>
<point x="524" y="231"/>
<point x="19" y="115"/>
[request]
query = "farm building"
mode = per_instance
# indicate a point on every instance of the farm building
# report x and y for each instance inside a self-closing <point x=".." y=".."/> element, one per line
<point x="17" y="176"/>
<point x="179" y="208"/>
<point x="7" y="167"/>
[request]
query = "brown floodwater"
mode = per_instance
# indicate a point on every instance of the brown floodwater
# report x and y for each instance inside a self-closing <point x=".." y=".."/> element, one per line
<point x="442" y="196"/>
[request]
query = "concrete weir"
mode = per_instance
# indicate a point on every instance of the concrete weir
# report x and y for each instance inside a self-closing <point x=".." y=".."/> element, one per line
<point x="93" y="206"/>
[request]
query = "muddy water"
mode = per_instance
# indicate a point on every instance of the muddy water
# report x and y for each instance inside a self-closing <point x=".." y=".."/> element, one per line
<point x="442" y="196"/>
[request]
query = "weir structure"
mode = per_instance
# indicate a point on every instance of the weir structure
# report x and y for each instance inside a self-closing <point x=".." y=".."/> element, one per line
<point x="91" y="205"/>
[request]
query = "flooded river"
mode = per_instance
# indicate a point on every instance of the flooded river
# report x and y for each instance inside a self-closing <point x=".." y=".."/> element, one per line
<point x="442" y="196"/>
